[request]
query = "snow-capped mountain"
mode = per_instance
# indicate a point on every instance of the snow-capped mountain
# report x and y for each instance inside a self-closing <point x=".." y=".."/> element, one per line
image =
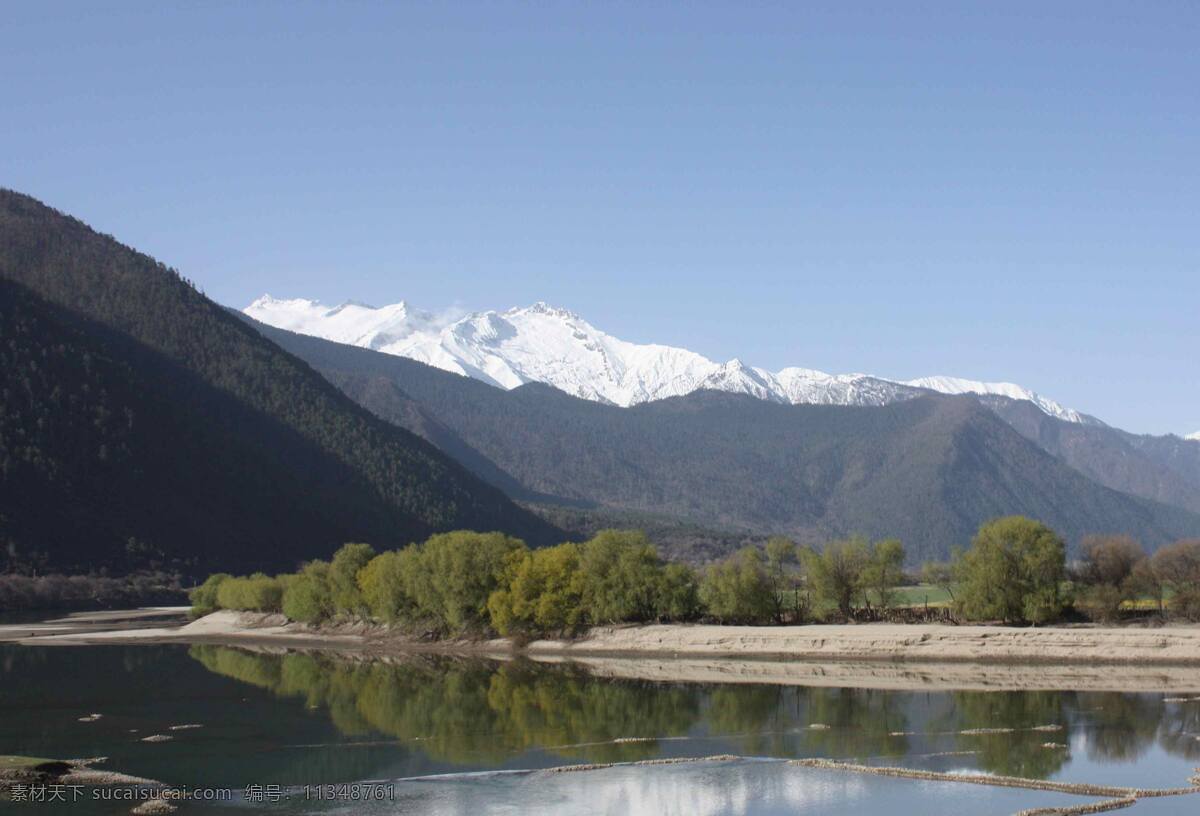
<point x="957" y="385"/>
<point x="1194" y="437"/>
<point x="542" y="343"/>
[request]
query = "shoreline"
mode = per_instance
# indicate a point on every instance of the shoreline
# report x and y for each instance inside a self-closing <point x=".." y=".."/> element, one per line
<point x="915" y="656"/>
<point x="888" y="642"/>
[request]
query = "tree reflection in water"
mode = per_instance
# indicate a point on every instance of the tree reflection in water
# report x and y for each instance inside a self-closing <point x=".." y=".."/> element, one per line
<point x="474" y="711"/>
<point x="1121" y="727"/>
<point x="470" y="711"/>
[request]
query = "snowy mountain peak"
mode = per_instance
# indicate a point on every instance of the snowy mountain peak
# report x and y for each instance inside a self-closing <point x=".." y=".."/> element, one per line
<point x="545" y="343"/>
<point x="957" y="385"/>
<point x="268" y="302"/>
<point x="541" y="307"/>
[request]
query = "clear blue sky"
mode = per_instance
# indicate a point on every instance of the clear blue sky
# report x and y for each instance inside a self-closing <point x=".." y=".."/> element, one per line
<point x="993" y="190"/>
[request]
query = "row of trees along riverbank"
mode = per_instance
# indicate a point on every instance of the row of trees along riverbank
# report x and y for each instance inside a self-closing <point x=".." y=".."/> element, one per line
<point x="474" y="584"/>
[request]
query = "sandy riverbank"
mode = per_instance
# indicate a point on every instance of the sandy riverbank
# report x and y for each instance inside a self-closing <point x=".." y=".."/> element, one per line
<point x="1174" y="645"/>
<point x="170" y="624"/>
<point x="1088" y="645"/>
<point x="159" y="618"/>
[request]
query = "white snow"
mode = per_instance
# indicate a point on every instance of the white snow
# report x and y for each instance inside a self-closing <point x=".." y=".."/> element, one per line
<point x="1194" y="437"/>
<point x="543" y="343"/>
<point x="957" y="385"/>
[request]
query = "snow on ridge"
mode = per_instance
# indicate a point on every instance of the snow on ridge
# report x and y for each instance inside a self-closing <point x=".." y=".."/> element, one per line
<point x="958" y="385"/>
<point x="1195" y="437"/>
<point x="545" y="343"/>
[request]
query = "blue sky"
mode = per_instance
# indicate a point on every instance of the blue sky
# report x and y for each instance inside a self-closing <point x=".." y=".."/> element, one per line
<point x="1003" y="191"/>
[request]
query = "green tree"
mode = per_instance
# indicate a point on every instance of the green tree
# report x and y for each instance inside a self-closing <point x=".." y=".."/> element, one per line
<point x="255" y="593"/>
<point x="542" y="592"/>
<point x="308" y="597"/>
<point x="885" y="571"/>
<point x="678" y="593"/>
<point x="621" y="577"/>
<point x="457" y="573"/>
<point x="204" y="597"/>
<point x="838" y="572"/>
<point x="738" y="589"/>
<point x="782" y="564"/>
<point x="1013" y="572"/>
<point x="343" y="578"/>
<point x="386" y="585"/>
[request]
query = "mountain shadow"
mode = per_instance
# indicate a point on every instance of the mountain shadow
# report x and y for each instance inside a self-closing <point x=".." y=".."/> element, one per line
<point x="142" y="424"/>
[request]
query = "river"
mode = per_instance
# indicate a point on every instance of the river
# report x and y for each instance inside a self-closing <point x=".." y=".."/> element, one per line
<point x="293" y="732"/>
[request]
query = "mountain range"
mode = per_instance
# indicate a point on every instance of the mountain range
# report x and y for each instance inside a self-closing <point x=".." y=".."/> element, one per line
<point x="143" y="425"/>
<point x="927" y="469"/>
<point x="543" y="343"/>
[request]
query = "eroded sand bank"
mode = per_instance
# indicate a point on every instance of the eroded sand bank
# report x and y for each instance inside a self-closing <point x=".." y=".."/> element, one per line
<point x="1174" y="645"/>
<point x="867" y="655"/>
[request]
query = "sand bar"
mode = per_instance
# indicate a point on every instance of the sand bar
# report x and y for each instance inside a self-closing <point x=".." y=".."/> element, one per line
<point x="1166" y="645"/>
<point x="866" y="655"/>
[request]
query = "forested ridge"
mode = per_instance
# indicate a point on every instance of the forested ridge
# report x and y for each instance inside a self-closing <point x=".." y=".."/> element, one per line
<point x="143" y="425"/>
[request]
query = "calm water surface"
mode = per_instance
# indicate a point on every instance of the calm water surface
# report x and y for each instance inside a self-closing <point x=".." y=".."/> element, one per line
<point x="461" y="736"/>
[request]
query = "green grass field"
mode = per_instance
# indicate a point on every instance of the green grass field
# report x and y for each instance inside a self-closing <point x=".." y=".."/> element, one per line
<point x="920" y="594"/>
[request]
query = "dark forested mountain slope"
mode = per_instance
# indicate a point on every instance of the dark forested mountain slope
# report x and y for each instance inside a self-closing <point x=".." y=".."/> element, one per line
<point x="1180" y="456"/>
<point x="928" y="470"/>
<point x="143" y="423"/>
